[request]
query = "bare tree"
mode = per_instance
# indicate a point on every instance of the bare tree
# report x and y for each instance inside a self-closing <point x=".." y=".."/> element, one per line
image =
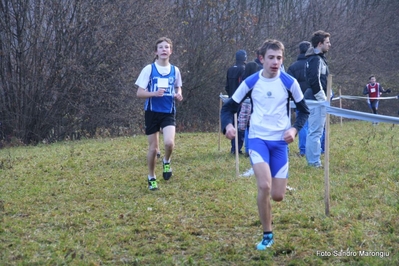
<point x="61" y="65"/>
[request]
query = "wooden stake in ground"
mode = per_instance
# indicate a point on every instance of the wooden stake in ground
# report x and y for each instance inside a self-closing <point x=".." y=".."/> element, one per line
<point x="327" y="152"/>
<point x="220" y="123"/>
<point x="236" y="138"/>
<point x="340" y="105"/>
<point x="236" y="141"/>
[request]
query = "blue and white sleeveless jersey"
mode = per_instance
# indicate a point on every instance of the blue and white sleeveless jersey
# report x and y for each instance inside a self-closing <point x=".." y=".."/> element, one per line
<point x="165" y="104"/>
<point x="168" y="77"/>
<point x="270" y="117"/>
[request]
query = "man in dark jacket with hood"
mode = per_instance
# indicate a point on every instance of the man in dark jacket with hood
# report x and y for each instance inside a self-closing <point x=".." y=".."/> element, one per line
<point x="233" y="80"/>
<point x="234" y="73"/>
<point x="297" y="70"/>
<point x="316" y="75"/>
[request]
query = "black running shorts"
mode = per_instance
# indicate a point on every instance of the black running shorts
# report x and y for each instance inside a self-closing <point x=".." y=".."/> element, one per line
<point x="154" y="121"/>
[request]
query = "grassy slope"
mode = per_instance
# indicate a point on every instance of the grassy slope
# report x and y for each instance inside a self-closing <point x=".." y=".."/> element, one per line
<point x="87" y="203"/>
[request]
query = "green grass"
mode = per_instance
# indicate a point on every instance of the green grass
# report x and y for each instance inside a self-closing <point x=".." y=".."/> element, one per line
<point x="87" y="203"/>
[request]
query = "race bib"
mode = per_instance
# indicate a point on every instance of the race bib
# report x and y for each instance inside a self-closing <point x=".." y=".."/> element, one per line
<point x="163" y="83"/>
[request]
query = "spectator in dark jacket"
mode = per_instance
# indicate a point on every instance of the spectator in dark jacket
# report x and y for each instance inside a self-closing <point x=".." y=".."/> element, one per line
<point x="233" y="80"/>
<point x="297" y="70"/>
<point x="234" y="73"/>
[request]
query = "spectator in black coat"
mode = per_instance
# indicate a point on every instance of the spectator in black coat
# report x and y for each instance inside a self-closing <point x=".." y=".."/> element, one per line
<point x="234" y="73"/>
<point x="297" y="70"/>
<point x="233" y="80"/>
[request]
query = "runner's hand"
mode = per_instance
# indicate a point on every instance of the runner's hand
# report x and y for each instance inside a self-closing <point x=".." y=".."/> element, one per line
<point x="230" y="132"/>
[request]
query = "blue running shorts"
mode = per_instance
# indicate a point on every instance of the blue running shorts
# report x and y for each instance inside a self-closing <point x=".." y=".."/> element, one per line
<point x="274" y="153"/>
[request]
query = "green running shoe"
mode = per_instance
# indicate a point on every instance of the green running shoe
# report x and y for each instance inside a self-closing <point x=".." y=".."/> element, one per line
<point x="152" y="184"/>
<point x="167" y="171"/>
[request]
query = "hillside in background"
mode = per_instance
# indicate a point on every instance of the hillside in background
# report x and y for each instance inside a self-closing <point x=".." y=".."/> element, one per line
<point x="68" y="68"/>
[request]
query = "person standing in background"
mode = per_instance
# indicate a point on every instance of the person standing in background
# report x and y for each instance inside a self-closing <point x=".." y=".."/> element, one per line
<point x="316" y="75"/>
<point x="245" y="113"/>
<point x="297" y="70"/>
<point x="233" y="80"/>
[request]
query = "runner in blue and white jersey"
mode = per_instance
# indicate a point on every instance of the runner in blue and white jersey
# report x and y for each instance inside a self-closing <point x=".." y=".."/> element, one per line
<point x="160" y="84"/>
<point x="270" y="129"/>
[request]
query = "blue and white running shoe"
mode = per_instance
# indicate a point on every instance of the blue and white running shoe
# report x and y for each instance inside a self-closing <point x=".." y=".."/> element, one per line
<point x="266" y="242"/>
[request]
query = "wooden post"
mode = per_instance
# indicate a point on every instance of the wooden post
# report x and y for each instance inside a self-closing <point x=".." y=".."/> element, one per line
<point x="220" y="122"/>
<point x="236" y="141"/>
<point x="327" y="152"/>
<point x="340" y="105"/>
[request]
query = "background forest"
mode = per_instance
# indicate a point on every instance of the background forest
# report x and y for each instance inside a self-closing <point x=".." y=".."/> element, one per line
<point x="68" y="67"/>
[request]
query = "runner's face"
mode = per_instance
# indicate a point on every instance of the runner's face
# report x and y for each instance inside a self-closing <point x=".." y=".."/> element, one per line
<point x="272" y="63"/>
<point x="163" y="50"/>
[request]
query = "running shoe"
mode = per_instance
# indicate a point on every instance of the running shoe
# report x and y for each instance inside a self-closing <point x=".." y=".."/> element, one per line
<point x="248" y="173"/>
<point x="266" y="242"/>
<point x="152" y="184"/>
<point x="158" y="154"/>
<point x="167" y="171"/>
<point x="315" y="165"/>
